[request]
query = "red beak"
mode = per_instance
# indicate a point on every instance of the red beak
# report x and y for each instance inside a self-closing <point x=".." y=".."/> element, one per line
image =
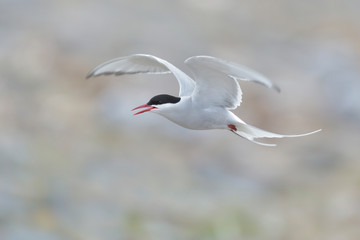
<point x="149" y="108"/>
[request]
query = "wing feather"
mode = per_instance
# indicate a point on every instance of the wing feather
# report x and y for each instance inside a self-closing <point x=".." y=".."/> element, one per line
<point x="216" y="80"/>
<point x="143" y="63"/>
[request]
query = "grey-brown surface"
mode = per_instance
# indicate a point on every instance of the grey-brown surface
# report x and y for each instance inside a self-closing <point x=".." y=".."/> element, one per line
<point x="75" y="163"/>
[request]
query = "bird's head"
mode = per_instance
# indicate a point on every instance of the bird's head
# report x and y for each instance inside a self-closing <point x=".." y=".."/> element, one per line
<point x="158" y="103"/>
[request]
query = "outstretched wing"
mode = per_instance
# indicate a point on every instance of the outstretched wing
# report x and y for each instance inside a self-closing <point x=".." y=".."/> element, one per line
<point x="143" y="63"/>
<point x="216" y="81"/>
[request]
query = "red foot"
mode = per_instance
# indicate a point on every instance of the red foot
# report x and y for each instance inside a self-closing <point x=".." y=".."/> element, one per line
<point x="232" y="127"/>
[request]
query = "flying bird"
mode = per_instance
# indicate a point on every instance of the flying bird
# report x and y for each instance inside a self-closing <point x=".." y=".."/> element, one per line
<point x="204" y="101"/>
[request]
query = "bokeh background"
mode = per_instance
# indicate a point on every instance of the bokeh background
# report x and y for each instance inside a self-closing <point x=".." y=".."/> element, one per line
<point x="75" y="164"/>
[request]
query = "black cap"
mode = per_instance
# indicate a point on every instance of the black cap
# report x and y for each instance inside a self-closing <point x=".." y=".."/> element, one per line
<point x="162" y="99"/>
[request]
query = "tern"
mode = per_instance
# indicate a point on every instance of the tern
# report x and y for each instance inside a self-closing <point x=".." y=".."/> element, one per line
<point x="204" y="101"/>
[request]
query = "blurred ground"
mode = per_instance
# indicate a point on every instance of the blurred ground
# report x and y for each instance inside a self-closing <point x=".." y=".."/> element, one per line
<point x="75" y="164"/>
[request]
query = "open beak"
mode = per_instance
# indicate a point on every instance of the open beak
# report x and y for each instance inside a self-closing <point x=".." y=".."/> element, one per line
<point x="148" y="108"/>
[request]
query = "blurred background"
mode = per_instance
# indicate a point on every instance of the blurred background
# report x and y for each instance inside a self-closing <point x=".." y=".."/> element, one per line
<point x="75" y="164"/>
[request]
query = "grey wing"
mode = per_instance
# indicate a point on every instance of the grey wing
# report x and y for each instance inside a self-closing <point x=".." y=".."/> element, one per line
<point x="143" y="63"/>
<point x="216" y="80"/>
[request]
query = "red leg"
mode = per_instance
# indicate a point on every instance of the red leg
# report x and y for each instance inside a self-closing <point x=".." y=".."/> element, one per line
<point x="232" y="127"/>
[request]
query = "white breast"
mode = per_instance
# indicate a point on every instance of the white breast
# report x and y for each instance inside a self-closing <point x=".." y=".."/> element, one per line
<point x="187" y="114"/>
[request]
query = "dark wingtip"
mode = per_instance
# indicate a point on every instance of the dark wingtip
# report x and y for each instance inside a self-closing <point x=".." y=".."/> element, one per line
<point x="89" y="75"/>
<point x="277" y="88"/>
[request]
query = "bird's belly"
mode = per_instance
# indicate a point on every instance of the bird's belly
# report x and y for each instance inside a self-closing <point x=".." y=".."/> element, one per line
<point x="201" y="120"/>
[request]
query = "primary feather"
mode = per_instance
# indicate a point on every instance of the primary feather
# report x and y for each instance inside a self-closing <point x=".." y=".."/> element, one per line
<point x="143" y="63"/>
<point x="216" y="80"/>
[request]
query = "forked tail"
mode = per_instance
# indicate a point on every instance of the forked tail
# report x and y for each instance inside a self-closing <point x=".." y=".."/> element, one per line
<point x="252" y="133"/>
